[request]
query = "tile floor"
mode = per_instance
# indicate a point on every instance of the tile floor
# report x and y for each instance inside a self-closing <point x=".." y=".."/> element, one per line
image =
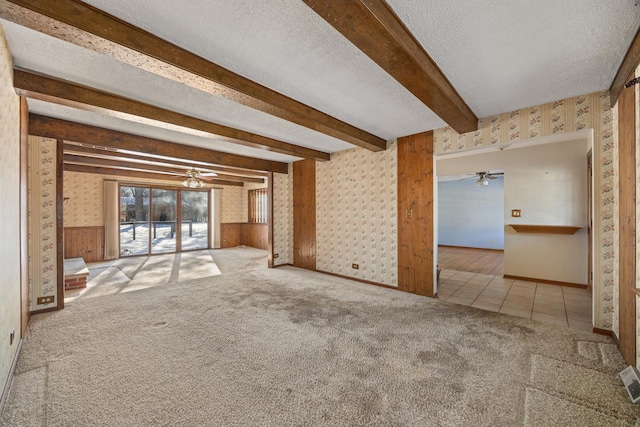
<point x="560" y="305"/>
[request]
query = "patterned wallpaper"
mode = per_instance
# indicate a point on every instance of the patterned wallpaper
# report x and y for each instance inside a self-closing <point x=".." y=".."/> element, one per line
<point x="235" y="202"/>
<point x="234" y="207"/>
<point x="42" y="221"/>
<point x="356" y="205"/>
<point x="283" y="217"/>
<point x="86" y="194"/>
<point x="615" y="322"/>
<point x="9" y="211"/>
<point x="583" y="112"/>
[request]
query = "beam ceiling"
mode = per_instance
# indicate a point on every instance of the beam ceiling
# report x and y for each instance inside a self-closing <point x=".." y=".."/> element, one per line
<point x="123" y="172"/>
<point x="76" y="132"/>
<point x="629" y="64"/>
<point x="111" y="154"/>
<point x="50" y="89"/>
<point x="146" y="46"/>
<point x="71" y="148"/>
<point x="373" y="27"/>
<point x="123" y="163"/>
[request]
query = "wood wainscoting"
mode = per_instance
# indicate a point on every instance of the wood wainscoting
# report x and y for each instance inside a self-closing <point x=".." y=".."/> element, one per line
<point x="230" y="234"/>
<point x="255" y="235"/>
<point x="234" y="234"/>
<point x="85" y="242"/>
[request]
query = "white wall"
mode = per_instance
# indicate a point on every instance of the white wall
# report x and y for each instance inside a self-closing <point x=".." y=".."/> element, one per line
<point x="548" y="183"/>
<point x="9" y="213"/>
<point x="470" y="215"/>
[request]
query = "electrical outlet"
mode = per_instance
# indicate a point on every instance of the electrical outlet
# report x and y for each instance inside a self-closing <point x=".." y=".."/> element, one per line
<point x="45" y="300"/>
<point x="276" y="256"/>
<point x="355" y="266"/>
<point x="12" y="335"/>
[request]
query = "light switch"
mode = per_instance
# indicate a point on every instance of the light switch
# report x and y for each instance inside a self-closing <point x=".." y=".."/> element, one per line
<point x="516" y="213"/>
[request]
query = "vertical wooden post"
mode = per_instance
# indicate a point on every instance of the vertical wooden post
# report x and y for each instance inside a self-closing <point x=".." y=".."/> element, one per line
<point x="415" y="214"/>
<point x="304" y="214"/>
<point x="627" y="196"/>
<point x="270" y="242"/>
<point x="24" y="216"/>
<point x="60" y="222"/>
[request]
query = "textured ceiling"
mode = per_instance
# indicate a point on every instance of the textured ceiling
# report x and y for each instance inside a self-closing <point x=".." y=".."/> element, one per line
<point x="287" y="47"/>
<point x="116" y="123"/>
<point x="500" y="56"/>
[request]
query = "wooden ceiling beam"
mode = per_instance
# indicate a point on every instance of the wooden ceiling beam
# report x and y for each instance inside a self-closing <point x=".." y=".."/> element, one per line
<point x="375" y="29"/>
<point x="137" y="174"/>
<point x="77" y="149"/>
<point x="47" y="88"/>
<point x="99" y="161"/>
<point x="71" y="131"/>
<point x="145" y="47"/>
<point x="625" y="72"/>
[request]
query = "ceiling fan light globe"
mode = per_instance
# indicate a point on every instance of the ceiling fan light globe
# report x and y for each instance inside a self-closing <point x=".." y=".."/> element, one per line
<point x="482" y="182"/>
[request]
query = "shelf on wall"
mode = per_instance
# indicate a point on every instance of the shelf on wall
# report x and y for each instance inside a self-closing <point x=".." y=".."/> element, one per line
<point x="546" y="229"/>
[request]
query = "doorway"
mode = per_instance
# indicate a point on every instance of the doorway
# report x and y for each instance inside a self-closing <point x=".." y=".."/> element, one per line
<point x="545" y="184"/>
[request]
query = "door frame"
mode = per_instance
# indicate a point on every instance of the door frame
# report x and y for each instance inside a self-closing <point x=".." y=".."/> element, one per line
<point x="178" y="231"/>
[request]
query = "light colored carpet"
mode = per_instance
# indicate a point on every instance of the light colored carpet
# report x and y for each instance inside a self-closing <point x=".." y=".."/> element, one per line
<point x="249" y="346"/>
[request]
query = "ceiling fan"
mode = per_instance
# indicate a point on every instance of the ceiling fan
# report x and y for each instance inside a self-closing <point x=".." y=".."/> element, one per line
<point x="485" y="176"/>
<point x="195" y="178"/>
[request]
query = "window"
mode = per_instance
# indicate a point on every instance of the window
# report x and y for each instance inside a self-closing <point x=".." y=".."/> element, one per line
<point x="258" y="206"/>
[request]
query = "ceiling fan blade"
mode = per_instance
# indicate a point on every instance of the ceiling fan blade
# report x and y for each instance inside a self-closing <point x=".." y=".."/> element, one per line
<point x="209" y="174"/>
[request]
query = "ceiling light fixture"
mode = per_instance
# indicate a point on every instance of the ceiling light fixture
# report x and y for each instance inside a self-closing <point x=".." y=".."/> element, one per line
<point x="482" y="181"/>
<point x="193" y="180"/>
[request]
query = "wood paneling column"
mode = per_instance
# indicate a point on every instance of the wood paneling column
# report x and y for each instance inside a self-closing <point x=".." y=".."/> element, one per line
<point x="270" y="242"/>
<point x="60" y="223"/>
<point x="415" y="214"/>
<point x="627" y="212"/>
<point x="24" y="216"/>
<point x="304" y="214"/>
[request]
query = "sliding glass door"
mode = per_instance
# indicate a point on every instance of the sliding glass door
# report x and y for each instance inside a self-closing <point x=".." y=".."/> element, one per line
<point x="134" y="221"/>
<point x="160" y="220"/>
<point x="195" y="219"/>
<point x="163" y="223"/>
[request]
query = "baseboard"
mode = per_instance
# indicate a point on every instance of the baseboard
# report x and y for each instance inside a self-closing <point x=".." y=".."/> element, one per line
<point x="7" y="386"/>
<point x="44" y="310"/>
<point x="355" y="279"/>
<point x="282" y="265"/>
<point x="606" y="332"/>
<point x="615" y="338"/>
<point x="547" y="282"/>
<point x="469" y="247"/>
